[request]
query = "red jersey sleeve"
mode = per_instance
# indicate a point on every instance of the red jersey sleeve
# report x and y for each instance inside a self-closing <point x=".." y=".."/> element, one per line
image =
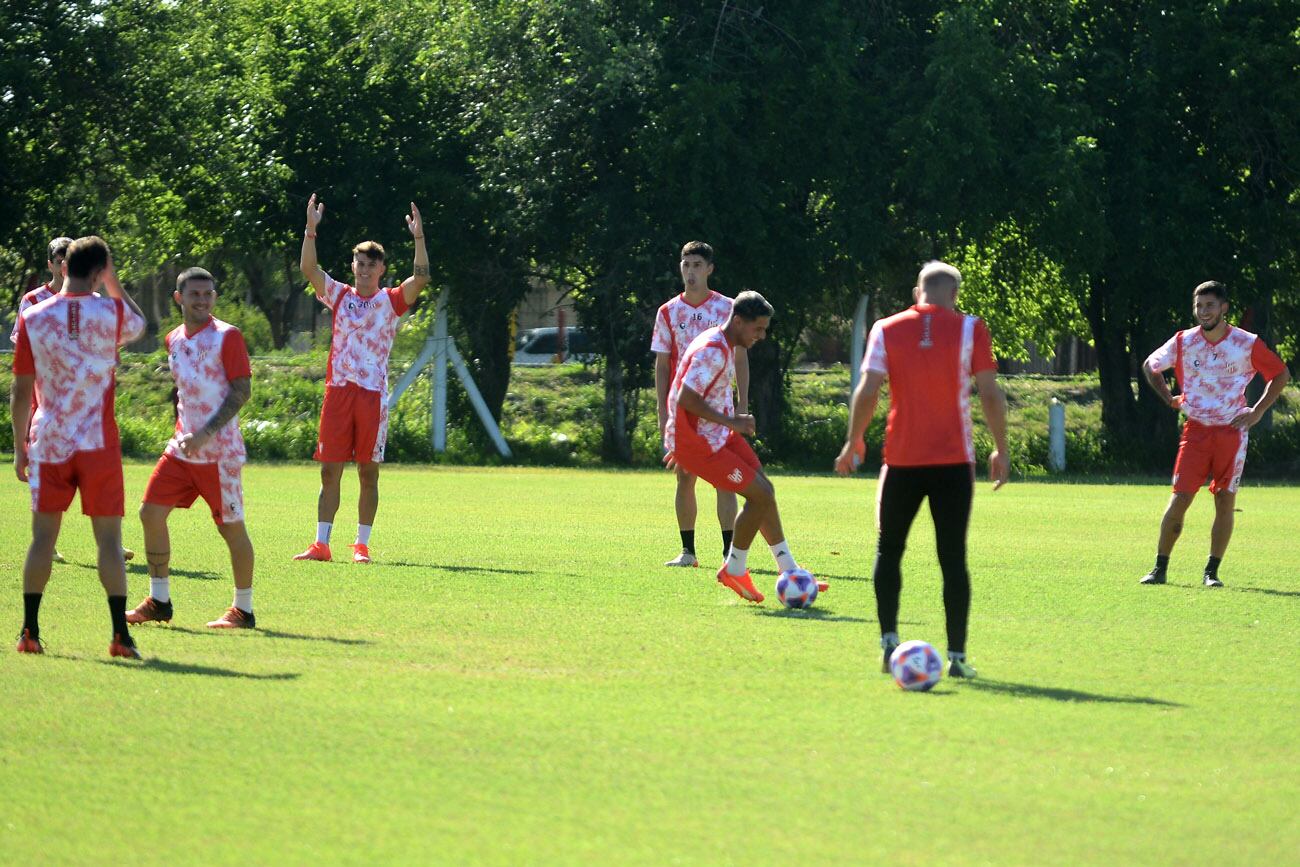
<point x="1265" y="360"/>
<point x="982" y="353"/>
<point x="234" y="356"/>
<point x="399" y="300"/>
<point x="24" y="363"/>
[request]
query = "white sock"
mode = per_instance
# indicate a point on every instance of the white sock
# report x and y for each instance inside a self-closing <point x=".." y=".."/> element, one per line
<point x="323" y="532"/>
<point x="160" y="589"/>
<point x="363" y="533"/>
<point x="736" y="561"/>
<point x="784" y="559"/>
<point x="244" y="600"/>
<point x="957" y="655"/>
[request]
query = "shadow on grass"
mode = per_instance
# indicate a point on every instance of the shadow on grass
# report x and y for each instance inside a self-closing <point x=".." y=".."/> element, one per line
<point x="272" y="633"/>
<point x="141" y="569"/>
<point x="165" y="667"/>
<point x="1268" y="591"/>
<point x="772" y="573"/>
<point x="435" y="566"/>
<point x="1027" y="690"/>
<point x="825" y="614"/>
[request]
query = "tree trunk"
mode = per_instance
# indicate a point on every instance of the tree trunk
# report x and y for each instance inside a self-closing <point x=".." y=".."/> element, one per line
<point x="616" y="445"/>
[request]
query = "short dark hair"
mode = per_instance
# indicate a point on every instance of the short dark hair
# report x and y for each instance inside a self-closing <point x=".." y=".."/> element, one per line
<point x="372" y="250"/>
<point x="59" y="247"/>
<point x="750" y="305"/>
<point x="698" y="248"/>
<point x="1212" y="287"/>
<point x="195" y="273"/>
<point x="86" y="256"/>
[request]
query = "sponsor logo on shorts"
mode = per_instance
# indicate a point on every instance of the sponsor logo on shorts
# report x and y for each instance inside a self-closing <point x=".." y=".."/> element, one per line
<point x="735" y="476"/>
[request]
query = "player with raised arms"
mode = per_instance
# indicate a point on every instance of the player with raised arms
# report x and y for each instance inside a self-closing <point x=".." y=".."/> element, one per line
<point x="678" y="322"/>
<point x="1212" y="363"/>
<point x="205" y="457"/>
<point x="66" y="352"/>
<point x="706" y="437"/>
<point x="354" y="415"/>
<point x="930" y="353"/>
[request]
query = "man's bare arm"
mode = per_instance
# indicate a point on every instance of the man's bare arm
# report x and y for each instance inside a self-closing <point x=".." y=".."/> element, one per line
<point x="307" y="262"/>
<point x="861" y="408"/>
<point x="1252" y="417"/>
<point x="240" y="390"/>
<point x="995" y="416"/>
<point x="663" y="380"/>
<point x="1156" y="379"/>
<point x="691" y="401"/>
<point x="20" y="409"/>
<point x="413" y="285"/>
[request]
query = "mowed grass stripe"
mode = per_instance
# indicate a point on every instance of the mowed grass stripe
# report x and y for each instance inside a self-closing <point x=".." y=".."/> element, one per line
<point x="517" y="679"/>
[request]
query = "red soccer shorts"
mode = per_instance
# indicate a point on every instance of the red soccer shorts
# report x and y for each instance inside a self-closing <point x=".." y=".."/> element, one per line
<point x="97" y="474"/>
<point x="731" y="468"/>
<point x="179" y="483"/>
<point x="1214" y="452"/>
<point x="353" y="425"/>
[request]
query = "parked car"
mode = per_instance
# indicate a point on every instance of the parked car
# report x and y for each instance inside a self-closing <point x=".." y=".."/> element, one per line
<point x="542" y="346"/>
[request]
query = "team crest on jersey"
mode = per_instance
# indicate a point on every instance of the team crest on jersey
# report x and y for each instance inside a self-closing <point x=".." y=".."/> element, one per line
<point x="735" y="476"/>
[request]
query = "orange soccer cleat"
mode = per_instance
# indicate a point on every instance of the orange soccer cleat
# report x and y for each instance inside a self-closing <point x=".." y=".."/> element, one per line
<point x="741" y="584"/>
<point x="315" y="551"/>
<point x="27" y="644"/>
<point x="234" y="618"/>
<point x="150" y="610"/>
<point x="822" y="586"/>
<point x="123" y="646"/>
<point x="360" y="553"/>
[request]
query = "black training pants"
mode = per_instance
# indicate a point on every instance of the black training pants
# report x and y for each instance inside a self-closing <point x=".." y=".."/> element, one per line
<point x="950" y="489"/>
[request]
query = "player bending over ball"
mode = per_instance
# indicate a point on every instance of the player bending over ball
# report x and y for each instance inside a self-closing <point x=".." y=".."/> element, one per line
<point x="205" y="457"/>
<point x="67" y="351"/>
<point x="706" y="438"/>
<point x="58" y="251"/>
<point x="354" y="416"/>
<point x="1213" y="364"/>
<point x="929" y="353"/>
<point x="679" y="321"/>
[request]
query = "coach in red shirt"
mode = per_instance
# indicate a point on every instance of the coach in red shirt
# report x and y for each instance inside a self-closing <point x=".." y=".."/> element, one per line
<point x="930" y="353"/>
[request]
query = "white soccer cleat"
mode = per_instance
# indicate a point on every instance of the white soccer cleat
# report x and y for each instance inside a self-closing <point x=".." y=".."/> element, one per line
<point x="686" y="559"/>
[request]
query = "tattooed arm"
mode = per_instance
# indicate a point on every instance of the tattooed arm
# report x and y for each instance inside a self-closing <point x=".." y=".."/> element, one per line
<point x="413" y="285"/>
<point x="240" y="390"/>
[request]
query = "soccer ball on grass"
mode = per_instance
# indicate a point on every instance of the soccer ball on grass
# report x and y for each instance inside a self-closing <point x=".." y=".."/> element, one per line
<point x="916" y="665"/>
<point x="796" y="588"/>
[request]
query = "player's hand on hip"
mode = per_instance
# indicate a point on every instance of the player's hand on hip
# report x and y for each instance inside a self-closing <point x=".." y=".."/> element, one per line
<point x="999" y="469"/>
<point x="744" y="425"/>
<point x="850" y="457"/>
<point x="314" y="212"/>
<point x="414" y="223"/>
<point x="1246" y="420"/>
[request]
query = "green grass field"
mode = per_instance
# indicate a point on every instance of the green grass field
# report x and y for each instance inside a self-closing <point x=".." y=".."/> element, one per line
<point x="517" y="680"/>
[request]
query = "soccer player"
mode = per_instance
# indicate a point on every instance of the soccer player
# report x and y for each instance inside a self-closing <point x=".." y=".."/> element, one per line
<point x="706" y="437"/>
<point x="678" y="322"/>
<point x="205" y="457"/>
<point x="929" y="353"/>
<point x="1213" y="364"/>
<point x="67" y="352"/>
<point x="354" y="416"/>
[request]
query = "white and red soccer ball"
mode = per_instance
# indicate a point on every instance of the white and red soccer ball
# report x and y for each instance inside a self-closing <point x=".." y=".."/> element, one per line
<point x="916" y="665"/>
<point x="796" y="588"/>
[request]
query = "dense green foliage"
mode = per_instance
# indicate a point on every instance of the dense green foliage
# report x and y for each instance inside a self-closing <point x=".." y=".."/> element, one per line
<point x="1086" y="163"/>
<point x="516" y="680"/>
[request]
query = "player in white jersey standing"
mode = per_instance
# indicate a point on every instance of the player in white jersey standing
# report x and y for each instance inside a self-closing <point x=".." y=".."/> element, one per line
<point x="679" y="321"/>
<point x="67" y="352"/>
<point x="205" y="457"/>
<point x="354" y="415"/>
<point x="1213" y="364"/>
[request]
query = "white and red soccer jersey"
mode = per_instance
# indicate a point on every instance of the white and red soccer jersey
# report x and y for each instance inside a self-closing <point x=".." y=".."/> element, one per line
<point x="36" y="296"/>
<point x="363" y="334"/>
<point x="1213" y="376"/>
<point x="69" y="343"/>
<point x="930" y="355"/>
<point x="707" y="369"/>
<point x="678" y="323"/>
<point x="203" y="365"/>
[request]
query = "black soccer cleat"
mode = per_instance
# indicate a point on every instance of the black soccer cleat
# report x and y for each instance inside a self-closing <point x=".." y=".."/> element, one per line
<point x="1211" y="580"/>
<point x="1155" y="576"/>
<point x="886" y="651"/>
